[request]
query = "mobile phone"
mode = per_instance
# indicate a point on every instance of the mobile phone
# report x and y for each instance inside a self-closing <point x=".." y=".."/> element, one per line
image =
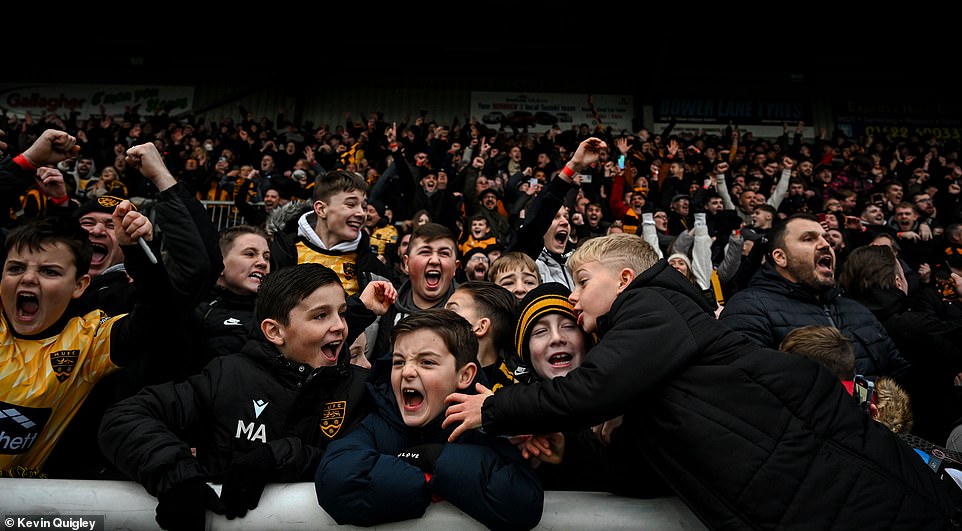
<point x="621" y="162"/>
<point x="863" y="391"/>
<point x="533" y="181"/>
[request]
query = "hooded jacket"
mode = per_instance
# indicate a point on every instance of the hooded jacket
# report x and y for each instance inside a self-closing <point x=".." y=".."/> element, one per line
<point x="297" y="238"/>
<point x="236" y="404"/>
<point x="747" y="436"/>
<point x="362" y="481"/>
<point x="772" y="306"/>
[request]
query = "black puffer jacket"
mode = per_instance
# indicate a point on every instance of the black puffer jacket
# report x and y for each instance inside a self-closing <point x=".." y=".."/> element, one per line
<point x="236" y="404"/>
<point x="362" y="481"/>
<point x="220" y="325"/>
<point x="749" y="437"/>
<point x="771" y="306"/>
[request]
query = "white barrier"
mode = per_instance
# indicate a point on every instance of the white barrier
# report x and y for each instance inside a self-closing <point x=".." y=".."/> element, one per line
<point x="293" y="506"/>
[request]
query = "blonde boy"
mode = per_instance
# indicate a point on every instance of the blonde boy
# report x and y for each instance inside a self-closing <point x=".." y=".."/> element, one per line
<point x="747" y="436"/>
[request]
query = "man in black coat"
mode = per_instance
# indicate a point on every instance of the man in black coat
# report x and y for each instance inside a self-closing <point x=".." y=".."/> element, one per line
<point x="796" y="287"/>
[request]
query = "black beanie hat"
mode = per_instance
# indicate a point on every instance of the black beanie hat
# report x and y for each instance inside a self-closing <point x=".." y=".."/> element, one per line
<point x="104" y="203"/>
<point x="379" y="206"/>
<point x="548" y="298"/>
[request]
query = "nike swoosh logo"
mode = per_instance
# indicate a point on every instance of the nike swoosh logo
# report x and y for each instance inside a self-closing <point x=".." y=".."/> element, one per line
<point x="233" y="321"/>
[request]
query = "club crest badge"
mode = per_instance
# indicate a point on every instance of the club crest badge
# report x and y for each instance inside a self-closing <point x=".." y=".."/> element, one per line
<point x="350" y="270"/>
<point x="332" y="417"/>
<point x="109" y="201"/>
<point x="63" y="363"/>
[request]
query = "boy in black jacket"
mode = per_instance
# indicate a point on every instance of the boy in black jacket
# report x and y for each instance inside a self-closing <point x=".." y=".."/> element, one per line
<point x="694" y="393"/>
<point x="263" y="415"/>
<point x="398" y="460"/>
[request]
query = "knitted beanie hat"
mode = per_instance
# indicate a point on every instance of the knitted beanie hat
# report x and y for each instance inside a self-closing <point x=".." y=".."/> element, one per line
<point x="379" y="206"/>
<point x="681" y="256"/>
<point x="548" y="298"/>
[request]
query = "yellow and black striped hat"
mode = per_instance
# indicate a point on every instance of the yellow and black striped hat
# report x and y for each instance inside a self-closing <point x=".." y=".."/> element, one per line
<point x="550" y="297"/>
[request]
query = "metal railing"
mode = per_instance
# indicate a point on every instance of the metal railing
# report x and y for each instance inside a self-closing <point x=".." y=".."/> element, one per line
<point x="224" y="214"/>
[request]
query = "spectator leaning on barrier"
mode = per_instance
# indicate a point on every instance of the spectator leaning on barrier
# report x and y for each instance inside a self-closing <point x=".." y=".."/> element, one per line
<point x="53" y="357"/>
<point x="399" y="460"/>
<point x="691" y="390"/>
<point x="264" y="414"/>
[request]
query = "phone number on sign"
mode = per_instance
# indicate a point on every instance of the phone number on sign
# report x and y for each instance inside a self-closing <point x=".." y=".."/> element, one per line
<point x="949" y="133"/>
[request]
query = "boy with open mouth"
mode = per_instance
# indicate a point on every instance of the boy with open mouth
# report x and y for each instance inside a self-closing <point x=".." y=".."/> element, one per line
<point x="398" y="461"/>
<point x="54" y="353"/>
<point x="544" y="236"/>
<point x="691" y="390"/>
<point x="264" y="414"/>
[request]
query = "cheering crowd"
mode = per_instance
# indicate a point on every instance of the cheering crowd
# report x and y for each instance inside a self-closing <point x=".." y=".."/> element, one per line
<point x="625" y="306"/>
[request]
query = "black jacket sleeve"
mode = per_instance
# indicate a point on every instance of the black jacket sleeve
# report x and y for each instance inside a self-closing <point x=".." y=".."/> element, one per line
<point x="603" y="386"/>
<point x="191" y="272"/>
<point x="146" y="436"/>
<point x="14" y="180"/>
<point x="251" y="214"/>
<point x="529" y="239"/>
<point x="166" y="292"/>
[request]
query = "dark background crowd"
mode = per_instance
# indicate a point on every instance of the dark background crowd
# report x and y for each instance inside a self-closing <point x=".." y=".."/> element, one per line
<point x="713" y="203"/>
<point x="901" y="192"/>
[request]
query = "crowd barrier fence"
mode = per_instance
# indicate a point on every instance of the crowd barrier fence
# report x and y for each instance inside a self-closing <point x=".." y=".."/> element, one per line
<point x="125" y="505"/>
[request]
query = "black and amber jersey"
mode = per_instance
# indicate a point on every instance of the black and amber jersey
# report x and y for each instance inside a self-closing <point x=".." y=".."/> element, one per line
<point x="44" y="381"/>
<point x="382" y="236"/>
<point x="344" y="264"/>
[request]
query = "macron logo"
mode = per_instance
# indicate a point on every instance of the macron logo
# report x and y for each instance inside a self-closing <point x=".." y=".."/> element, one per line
<point x="232" y="321"/>
<point x="17" y="417"/>
<point x="259" y="406"/>
<point x="20" y="427"/>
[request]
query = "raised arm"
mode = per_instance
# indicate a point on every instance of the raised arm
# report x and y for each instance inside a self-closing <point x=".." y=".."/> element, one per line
<point x="722" y="187"/>
<point x="166" y="292"/>
<point x="781" y="189"/>
<point x="538" y="217"/>
<point x="19" y="172"/>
